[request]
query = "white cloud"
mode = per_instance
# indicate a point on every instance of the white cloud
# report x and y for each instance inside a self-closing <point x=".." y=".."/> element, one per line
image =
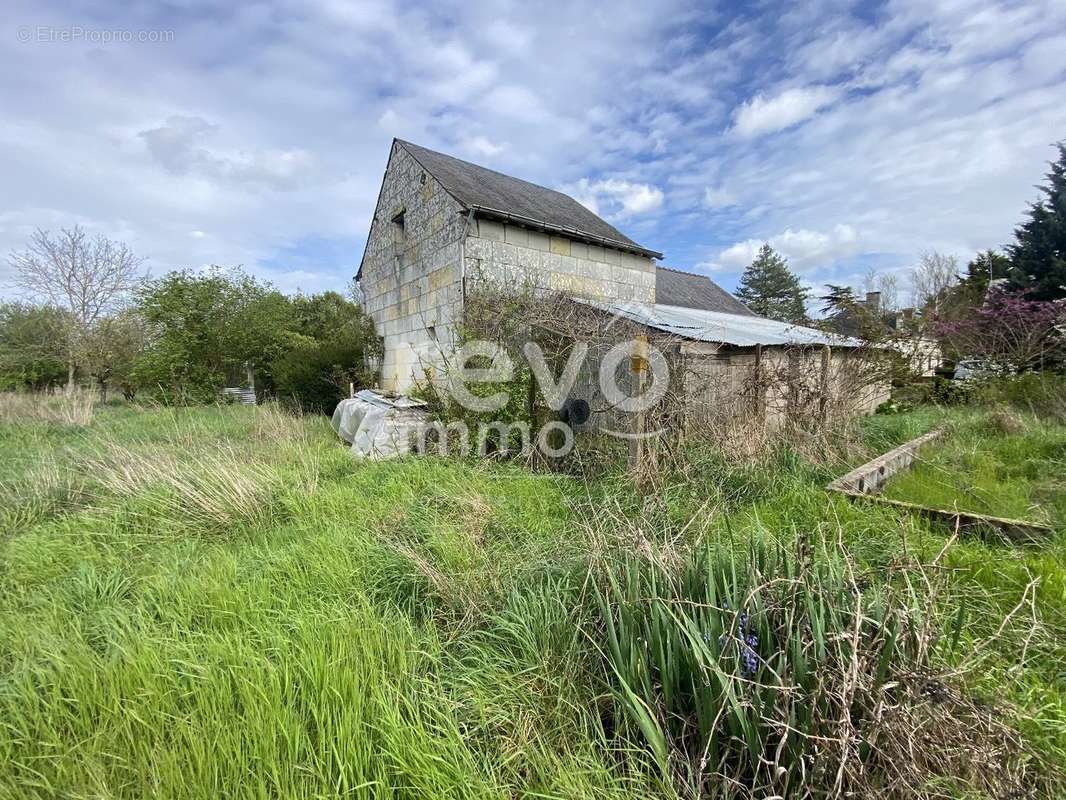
<point x="803" y="248"/>
<point x="177" y="146"/>
<point x="718" y="197"/>
<point x="267" y="127"/>
<point x="762" y="114"/>
<point x="483" y="146"/>
<point x="617" y="198"/>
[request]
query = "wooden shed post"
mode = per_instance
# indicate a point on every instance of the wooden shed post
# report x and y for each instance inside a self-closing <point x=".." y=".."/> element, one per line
<point x="757" y="383"/>
<point x="823" y="398"/>
<point x="638" y="367"/>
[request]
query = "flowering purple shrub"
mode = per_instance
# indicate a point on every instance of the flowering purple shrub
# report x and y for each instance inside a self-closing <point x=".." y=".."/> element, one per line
<point x="1010" y="329"/>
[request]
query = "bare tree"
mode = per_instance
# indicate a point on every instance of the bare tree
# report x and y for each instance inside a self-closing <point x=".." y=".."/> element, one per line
<point x="930" y="280"/>
<point x="886" y="284"/>
<point x="87" y="277"/>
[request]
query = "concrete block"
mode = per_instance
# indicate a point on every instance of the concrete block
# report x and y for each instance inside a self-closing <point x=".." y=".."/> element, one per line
<point x="596" y="253"/>
<point x="487" y="229"/>
<point x="476" y="247"/>
<point x="506" y="253"/>
<point x="559" y="282"/>
<point x="579" y="249"/>
<point x="516" y="236"/>
<point x="538" y="240"/>
<point x="560" y="245"/>
<point x="612" y="256"/>
<point x="441" y="277"/>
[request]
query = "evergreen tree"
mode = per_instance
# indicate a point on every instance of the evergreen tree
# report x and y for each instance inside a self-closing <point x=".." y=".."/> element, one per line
<point x="770" y="289"/>
<point x="838" y="299"/>
<point x="969" y="292"/>
<point x="1039" y="254"/>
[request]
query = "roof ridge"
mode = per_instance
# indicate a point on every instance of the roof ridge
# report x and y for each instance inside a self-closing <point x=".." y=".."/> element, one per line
<point x="496" y="194"/>
<point x="406" y="144"/>
<point x="683" y="271"/>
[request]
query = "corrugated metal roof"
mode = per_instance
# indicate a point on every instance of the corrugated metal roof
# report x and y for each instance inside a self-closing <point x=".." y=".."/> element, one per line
<point x="714" y="326"/>
<point x="495" y="194"/>
<point x="689" y="290"/>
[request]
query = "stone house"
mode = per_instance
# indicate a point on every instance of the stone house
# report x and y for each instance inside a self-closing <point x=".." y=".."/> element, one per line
<point x="441" y="224"/>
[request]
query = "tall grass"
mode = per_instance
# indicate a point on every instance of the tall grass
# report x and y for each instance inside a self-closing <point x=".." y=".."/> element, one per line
<point x="213" y="490"/>
<point x="773" y="674"/>
<point x="314" y="626"/>
<point x="74" y="408"/>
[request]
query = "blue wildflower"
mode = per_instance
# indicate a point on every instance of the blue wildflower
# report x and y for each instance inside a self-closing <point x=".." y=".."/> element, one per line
<point x="748" y="642"/>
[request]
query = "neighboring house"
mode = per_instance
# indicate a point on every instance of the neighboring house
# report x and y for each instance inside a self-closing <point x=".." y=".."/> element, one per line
<point x="442" y="224"/>
<point x="897" y="330"/>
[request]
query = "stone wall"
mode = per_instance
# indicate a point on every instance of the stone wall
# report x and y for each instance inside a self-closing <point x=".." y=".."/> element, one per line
<point x="514" y="256"/>
<point x="412" y="281"/>
<point x="722" y="385"/>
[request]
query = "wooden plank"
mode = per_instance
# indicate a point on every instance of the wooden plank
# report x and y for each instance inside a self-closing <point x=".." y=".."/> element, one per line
<point x="871" y="476"/>
<point x="1017" y="530"/>
<point x="863" y="483"/>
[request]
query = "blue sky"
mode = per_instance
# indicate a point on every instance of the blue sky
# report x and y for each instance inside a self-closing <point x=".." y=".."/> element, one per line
<point x="850" y="136"/>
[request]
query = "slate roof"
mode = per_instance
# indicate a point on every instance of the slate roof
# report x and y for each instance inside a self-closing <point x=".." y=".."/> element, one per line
<point x="740" y="330"/>
<point x="688" y="290"/>
<point x="494" y="194"/>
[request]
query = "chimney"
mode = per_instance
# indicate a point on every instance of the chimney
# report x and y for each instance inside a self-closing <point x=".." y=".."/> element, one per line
<point x="873" y="301"/>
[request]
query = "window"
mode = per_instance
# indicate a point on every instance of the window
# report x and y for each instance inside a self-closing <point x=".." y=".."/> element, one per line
<point x="399" y="231"/>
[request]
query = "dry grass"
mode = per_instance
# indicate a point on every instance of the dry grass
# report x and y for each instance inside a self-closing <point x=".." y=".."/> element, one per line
<point x="213" y="490"/>
<point x="277" y="423"/>
<point x="49" y="489"/>
<point x="74" y="409"/>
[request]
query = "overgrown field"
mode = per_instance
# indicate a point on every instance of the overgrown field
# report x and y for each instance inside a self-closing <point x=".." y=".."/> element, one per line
<point x="992" y="464"/>
<point x="221" y="602"/>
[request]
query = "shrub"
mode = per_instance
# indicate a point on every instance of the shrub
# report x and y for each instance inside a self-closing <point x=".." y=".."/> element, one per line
<point x="333" y="346"/>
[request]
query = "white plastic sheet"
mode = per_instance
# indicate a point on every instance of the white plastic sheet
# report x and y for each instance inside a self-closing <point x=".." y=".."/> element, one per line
<point x="377" y="426"/>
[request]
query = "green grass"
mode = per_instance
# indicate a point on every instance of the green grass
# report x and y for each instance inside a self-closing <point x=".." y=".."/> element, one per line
<point x="283" y="621"/>
<point x="981" y="469"/>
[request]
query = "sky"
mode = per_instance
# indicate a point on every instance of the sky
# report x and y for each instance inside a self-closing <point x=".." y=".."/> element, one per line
<point x="850" y="136"/>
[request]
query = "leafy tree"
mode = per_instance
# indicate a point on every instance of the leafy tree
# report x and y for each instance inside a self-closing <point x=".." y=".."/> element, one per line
<point x="838" y="298"/>
<point x="113" y="350"/>
<point x="769" y="288"/>
<point x="333" y="343"/>
<point x="848" y="315"/>
<point x="205" y="329"/>
<point x="1038" y="255"/>
<point x="32" y="352"/>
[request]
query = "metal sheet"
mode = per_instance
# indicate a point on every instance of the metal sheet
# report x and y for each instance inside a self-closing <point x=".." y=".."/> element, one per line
<point x="715" y="326"/>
